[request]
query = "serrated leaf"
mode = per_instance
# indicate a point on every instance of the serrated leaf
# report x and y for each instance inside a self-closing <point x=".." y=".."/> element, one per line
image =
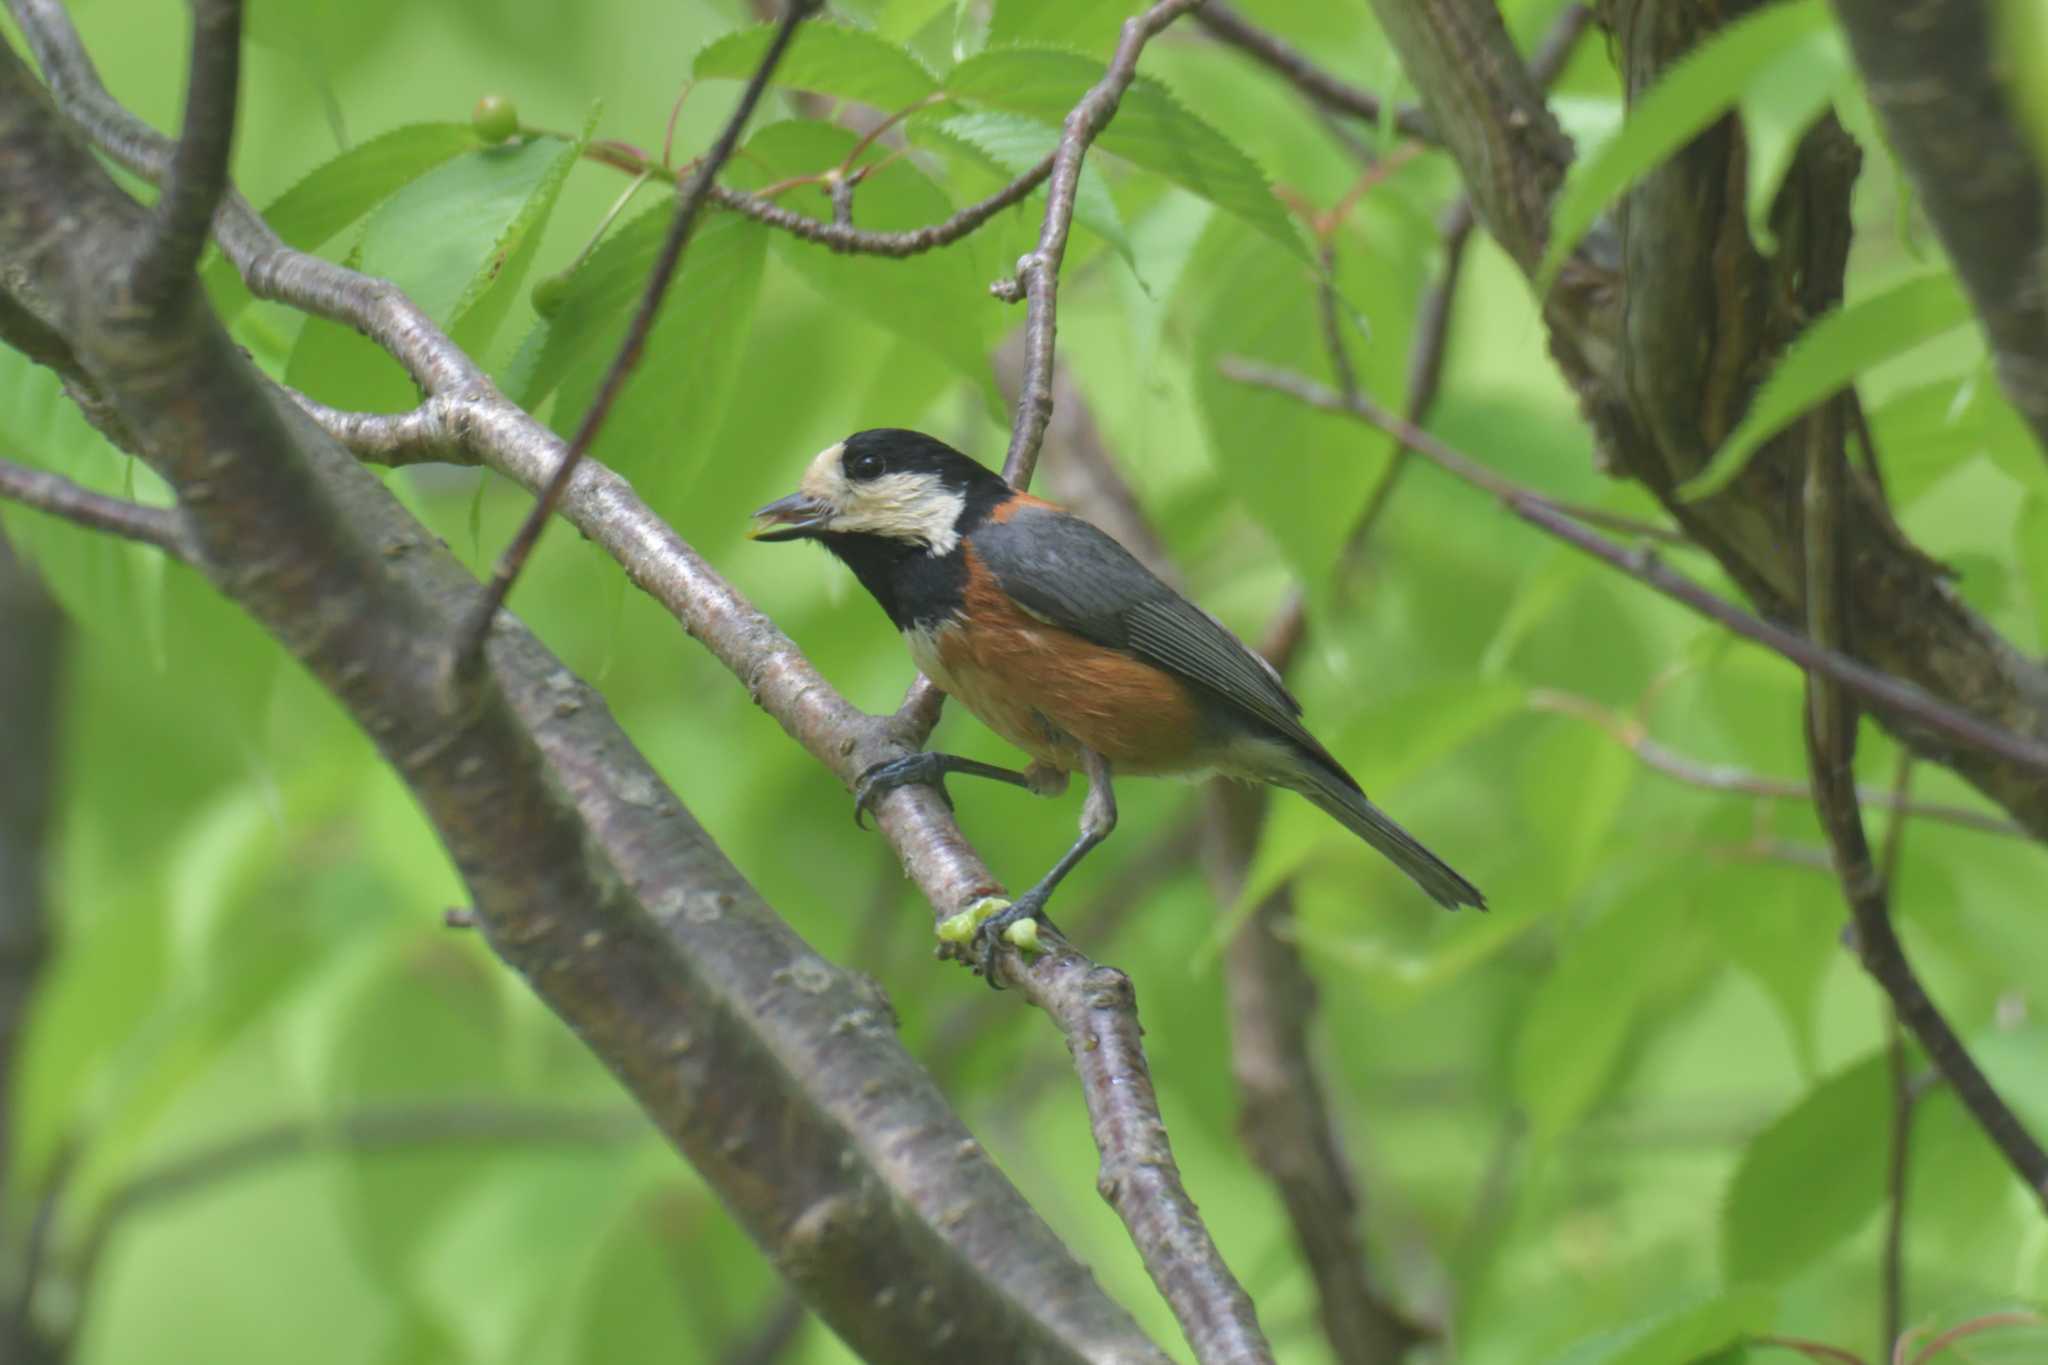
<point x="1827" y="357"/>
<point x="1010" y="144"/>
<point x="493" y="289"/>
<point x="831" y="59"/>
<point x="660" y="430"/>
<point x="1087" y="25"/>
<point x="446" y="239"/>
<point x="1698" y="89"/>
<point x="1151" y="129"/>
<point x="1811" y="1179"/>
<point x="337" y="193"/>
<point x="1924" y="433"/>
<point x="1688" y="1336"/>
<point x="1574" y="1030"/>
<point x="1779" y="103"/>
<point x="901" y="20"/>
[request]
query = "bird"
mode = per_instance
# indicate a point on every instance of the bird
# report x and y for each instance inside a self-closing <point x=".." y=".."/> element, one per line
<point x="1058" y="639"/>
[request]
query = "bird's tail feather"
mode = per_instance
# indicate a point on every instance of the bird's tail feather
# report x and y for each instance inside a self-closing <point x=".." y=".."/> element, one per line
<point x="1350" y="808"/>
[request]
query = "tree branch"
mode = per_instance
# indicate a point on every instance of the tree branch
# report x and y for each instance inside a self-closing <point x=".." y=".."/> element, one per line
<point x="844" y="237"/>
<point x="1926" y="711"/>
<point x="1938" y="81"/>
<point x="587" y="875"/>
<point x="1831" y="750"/>
<point x="198" y="177"/>
<point x="1038" y="272"/>
<point x="162" y="527"/>
<point x="469" y="645"/>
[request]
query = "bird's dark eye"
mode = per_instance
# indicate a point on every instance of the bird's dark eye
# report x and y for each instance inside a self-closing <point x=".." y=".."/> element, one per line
<point x="865" y="464"/>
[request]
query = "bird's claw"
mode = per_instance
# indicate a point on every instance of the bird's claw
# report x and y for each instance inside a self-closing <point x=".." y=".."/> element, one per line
<point x="991" y="922"/>
<point x="884" y="777"/>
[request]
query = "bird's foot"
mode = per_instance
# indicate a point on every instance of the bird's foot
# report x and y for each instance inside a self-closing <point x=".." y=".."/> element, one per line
<point x="922" y="769"/>
<point x="992" y="921"/>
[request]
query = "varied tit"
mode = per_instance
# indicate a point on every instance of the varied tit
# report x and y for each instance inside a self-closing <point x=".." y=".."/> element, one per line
<point x="1065" y="645"/>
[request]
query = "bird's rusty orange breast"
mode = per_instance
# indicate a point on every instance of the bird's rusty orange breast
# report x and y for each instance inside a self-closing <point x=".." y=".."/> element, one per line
<point x="1047" y="690"/>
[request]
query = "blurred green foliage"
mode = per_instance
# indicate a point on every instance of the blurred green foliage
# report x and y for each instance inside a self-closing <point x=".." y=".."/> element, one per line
<point x="1634" y="1112"/>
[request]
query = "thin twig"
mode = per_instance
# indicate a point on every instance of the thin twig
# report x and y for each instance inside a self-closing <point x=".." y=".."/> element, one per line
<point x="1632" y="735"/>
<point x="1831" y="747"/>
<point x="60" y="497"/>
<point x="1986" y="1323"/>
<point x="1562" y="522"/>
<point x="469" y="649"/>
<point x="1905" y="1092"/>
<point x="198" y="177"/>
<point x="1812" y="1350"/>
<point x="1328" y="91"/>
<point x="1038" y="271"/>
<point x="863" y="241"/>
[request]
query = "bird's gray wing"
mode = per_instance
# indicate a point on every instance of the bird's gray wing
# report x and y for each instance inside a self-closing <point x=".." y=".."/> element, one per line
<point x="1070" y="574"/>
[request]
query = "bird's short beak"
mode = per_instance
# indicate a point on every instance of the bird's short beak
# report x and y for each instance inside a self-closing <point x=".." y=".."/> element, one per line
<point x="789" y="518"/>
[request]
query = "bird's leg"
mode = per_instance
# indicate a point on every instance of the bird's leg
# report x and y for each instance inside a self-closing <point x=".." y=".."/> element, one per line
<point x="930" y="769"/>
<point x="1098" y="818"/>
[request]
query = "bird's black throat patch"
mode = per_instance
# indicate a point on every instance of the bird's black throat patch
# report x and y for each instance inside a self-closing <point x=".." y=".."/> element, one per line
<point x="916" y="587"/>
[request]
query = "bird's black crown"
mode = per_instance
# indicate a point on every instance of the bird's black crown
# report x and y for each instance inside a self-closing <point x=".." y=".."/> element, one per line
<point x="871" y="454"/>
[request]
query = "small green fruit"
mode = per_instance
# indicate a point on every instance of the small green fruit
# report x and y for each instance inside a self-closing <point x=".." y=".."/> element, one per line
<point x="495" y="118"/>
<point x="548" y="293"/>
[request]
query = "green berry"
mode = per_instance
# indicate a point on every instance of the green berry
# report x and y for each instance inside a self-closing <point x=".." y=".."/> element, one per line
<point x="549" y="292"/>
<point x="495" y="118"/>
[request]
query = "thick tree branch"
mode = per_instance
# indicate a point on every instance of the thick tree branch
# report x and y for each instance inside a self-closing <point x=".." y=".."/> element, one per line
<point x="1831" y="752"/>
<point x="60" y="497"/>
<point x="1487" y="108"/>
<point x="1665" y="346"/>
<point x="586" y="873"/>
<point x="1939" y="82"/>
<point x="917" y="823"/>
<point x="469" y="644"/>
<point x="1038" y="272"/>
<point x="198" y="176"/>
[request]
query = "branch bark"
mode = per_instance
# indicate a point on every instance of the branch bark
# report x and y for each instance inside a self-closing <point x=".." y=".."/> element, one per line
<point x="1937" y="81"/>
<point x="587" y="874"/>
<point x="1665" y="345"/>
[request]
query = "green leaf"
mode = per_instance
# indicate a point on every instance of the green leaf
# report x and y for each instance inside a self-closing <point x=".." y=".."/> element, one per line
<point x="1685" y="1337"/>
<point x="1827" y="357"/>
<point x="1575" y="783"/>
<point x="334" y="195"/>
<point x="938" y="299"/>
<point x="660" y="430"/>
<point x="2030" y="548"/>
<point x="1769" y="925"/>
<point x="1925" y="433"/>
<point x="1584" y="1014"/>
<point x="1698" y="89"/>
<point x="1086" y="25"/>
<point x="1151" y="129"/>
<point x="831" y="59"/>
<point x="1780" y="103"/>
<point x="454" y="240"/>
<point x="1810" y="1180"/>
<point x="1009" y="145"/>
